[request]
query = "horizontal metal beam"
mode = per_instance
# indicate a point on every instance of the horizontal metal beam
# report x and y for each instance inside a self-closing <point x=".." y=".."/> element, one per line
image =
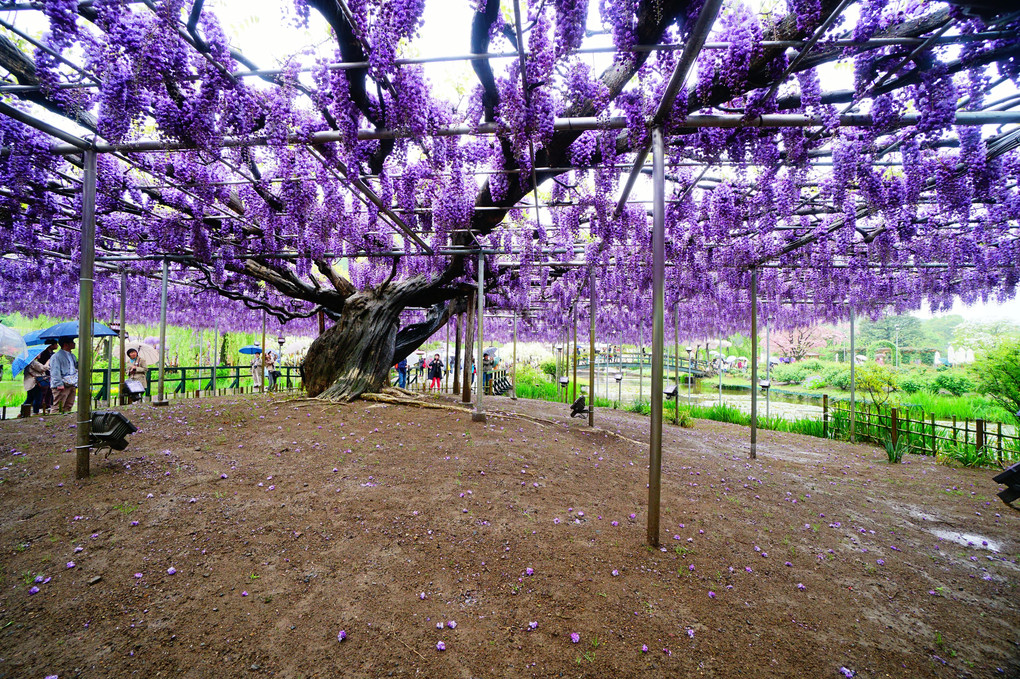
<point x="729" y="121"/>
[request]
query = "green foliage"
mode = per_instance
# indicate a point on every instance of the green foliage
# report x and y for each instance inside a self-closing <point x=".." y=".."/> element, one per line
<point x="878" y="381"/>
<point x="548" y="367"/>
<point x="894" y="451"/>
<point x="955" y="382"/>
<point x="998" y="375"/>
<point x="913" y="381"/>
<point x="967" y="455"/>
<point x="789" y="372"/>
<point x="814" y="382"/>
<point x="838" y="376"/>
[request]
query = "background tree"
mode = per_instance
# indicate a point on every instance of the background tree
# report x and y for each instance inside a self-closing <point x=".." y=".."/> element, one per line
<point x="997" y="374"/>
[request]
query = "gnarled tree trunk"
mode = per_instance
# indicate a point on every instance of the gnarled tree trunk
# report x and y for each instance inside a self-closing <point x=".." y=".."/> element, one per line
<point x="354" y="356"/>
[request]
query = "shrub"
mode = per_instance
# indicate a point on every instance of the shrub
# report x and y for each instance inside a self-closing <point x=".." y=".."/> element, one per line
<point x="814" y="382"/>
<point x="548" y="367"/>
<point x="838" y="376"/>
<point x="789" y="372"/>
<point x="956" y="383"/>
<point x="915" y="382"/>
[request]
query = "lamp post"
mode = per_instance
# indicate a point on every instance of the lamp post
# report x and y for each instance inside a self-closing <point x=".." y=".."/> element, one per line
<point x="897" y="345"/>
<point x="690" y="375"/>
<point x="619" y="388"/>
<point x="721" y="364"/>
<point x="559" y="360"/>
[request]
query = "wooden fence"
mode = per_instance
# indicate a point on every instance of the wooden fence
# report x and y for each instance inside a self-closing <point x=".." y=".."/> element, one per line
<point x="919" y="431"/>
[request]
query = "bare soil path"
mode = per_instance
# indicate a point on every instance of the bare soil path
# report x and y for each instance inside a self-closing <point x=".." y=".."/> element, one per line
<point x="239" y="536"/>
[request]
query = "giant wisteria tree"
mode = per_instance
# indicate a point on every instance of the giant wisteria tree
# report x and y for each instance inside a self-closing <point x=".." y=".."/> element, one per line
<point x="345" y="182"/>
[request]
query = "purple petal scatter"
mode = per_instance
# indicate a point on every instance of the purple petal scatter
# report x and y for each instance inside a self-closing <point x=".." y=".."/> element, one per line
<point x="800" y="586"/>
<point x="533" y="625"/>
<point x="440" y="646"/>
<point x="711" y="594"/>
<point x="529" y="571"/>
<point x="452" y="624"/>
<point x="575" y="637"/>
<point x="70" y="564"/>
<point x="33" y="590"/>
<point x="847" y="672"/>
<point x="644" y="648"/>
<point x="341" y="635"/>
<point x="171" y="571"/>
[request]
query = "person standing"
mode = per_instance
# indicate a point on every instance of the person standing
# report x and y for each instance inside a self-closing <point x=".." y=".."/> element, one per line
<point x="487" y="364"/>
<point x="138" y="371"/>
<point x="37" y="380"/>
<point x="257" y="372"/>
<point x="64" y="375"/>
<point x="436" y="373"/>
<point x="402" y="373"/>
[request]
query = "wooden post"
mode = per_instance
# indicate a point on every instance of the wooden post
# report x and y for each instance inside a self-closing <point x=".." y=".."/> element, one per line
<point x="954" y="430"/>
<point x="979" y="434"/>
<point x="446" y="360"/>
<point x="825" y="415"/>
<point x="934" y="438"/>
<point x="999" y="438"/>
<point x="676" y="366"/>
<point x="894" y="426"/>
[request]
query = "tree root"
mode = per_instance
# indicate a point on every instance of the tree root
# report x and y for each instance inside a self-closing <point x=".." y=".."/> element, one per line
<point x="406" y="401"/>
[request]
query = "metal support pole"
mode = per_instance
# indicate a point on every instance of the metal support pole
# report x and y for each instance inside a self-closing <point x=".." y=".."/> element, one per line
<point x="574" y="354"/>
<point x="658" y="307"/>
<point x="768" y="366"/>
<point x="468" y="345"/>
<point x="853" y="374"/>
<point x="513" y="392"/>
<point x="641" y="367"/>
<point x="83" y="444"/>
<point x="676" y="365"/>
<point x="479" y="415"/>
<point x="160" y="398"/>
<point x="456" y="353"/>
<point x="446" y="360"/>
<point x="123" y="332"/>
<point x="591" y="348"/>
<point x="754" y="363"/>
<point x="109" y="372"/>
<point x="721" y="362"/>
<point x="262" y="357"/>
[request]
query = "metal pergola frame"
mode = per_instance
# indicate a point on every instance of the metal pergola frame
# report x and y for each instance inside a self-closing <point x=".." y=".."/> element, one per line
<point x="72" y="145"/>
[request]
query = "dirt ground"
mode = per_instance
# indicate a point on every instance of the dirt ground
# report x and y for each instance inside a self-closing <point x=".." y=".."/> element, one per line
<point x="240" y="536"/>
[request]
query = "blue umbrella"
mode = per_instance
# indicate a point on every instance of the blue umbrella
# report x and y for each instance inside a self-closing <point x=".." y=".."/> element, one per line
<point x="251" y="349"/>
<point x="22" y="360"/>
<point x="70" y="329"/>
<point x="33" y="338"/>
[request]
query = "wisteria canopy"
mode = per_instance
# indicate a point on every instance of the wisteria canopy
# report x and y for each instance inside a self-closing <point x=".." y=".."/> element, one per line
<point x="855" y="154"/>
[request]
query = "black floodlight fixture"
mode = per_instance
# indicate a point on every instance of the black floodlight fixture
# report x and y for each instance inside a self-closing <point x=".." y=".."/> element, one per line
<point x="110" y="429"/>
<point x="670" y="393"/>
